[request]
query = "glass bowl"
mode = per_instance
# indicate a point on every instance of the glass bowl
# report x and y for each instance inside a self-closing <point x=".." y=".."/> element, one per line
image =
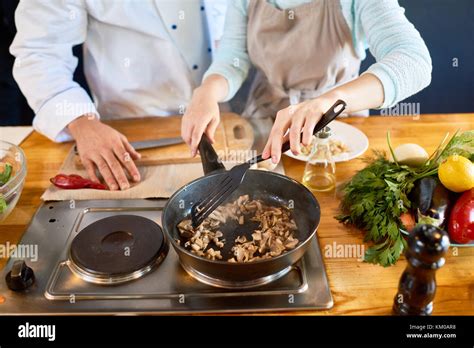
<point x="10" y="192"/>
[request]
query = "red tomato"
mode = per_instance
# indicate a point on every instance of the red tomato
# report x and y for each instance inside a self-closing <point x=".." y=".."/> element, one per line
<point x="408" y="221"/>
<point x="461" y="220"/>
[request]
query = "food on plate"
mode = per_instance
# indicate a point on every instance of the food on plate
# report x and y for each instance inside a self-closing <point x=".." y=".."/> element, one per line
<point x="74" y="182"/>
<point x="457" y="173"/>
<point x="336" y="147"/>
<point x="431" y="202"/>
<point x="266" y="165"/>
<point x="410" y="154"/>
<point x="6" y="172"/>
<point x="378" y="197"/>
<point x="461" y="220"/>
<point x="274" y="235"/>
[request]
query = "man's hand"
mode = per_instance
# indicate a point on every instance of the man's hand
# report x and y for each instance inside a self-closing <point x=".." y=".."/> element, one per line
<point x="102" y="147"/>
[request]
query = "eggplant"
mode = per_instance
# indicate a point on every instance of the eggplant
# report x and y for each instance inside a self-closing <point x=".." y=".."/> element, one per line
<point x="431" y="201"/>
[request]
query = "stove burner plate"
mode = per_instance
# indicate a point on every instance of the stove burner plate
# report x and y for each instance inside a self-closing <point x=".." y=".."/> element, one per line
<point x="117" y="249"/>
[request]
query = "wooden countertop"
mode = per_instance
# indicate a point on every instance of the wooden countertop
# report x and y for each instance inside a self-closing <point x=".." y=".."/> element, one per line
<point x="357" y="287"/>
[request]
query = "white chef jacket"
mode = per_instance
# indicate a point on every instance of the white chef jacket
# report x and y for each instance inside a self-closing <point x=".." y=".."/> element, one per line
<point x="141" y="57"/>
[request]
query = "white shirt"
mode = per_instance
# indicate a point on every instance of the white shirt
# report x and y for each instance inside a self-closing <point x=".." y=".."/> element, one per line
<point x="141" y="57"/>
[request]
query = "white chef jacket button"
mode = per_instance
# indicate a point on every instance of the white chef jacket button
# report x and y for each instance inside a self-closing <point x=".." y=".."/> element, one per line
<point x="195" y="67"/>
<point x="209" y="49"/>
<point x="202" y="8"/>
<point x="174" y="27"/>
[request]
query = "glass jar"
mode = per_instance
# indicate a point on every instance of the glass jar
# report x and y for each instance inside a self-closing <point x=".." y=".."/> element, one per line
<point x="320" y="171"/>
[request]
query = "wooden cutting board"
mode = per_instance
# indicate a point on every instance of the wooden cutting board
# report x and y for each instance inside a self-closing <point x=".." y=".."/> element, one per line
<point x="233" y="134"/>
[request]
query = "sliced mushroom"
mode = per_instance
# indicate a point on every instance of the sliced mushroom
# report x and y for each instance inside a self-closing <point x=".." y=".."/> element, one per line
<point x="241" y="239"/>
<point x="274" y="236"/>
<point x="291" y="243"/>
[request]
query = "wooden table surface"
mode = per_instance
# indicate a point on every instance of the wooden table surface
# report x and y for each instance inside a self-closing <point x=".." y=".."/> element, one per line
<point x="357" y="287"/>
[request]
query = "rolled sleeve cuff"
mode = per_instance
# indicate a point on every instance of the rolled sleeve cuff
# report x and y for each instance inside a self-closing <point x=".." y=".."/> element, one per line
<point x="389" y="87"/>
<point x="233" y="87"/>
<point x="53" y="117"/>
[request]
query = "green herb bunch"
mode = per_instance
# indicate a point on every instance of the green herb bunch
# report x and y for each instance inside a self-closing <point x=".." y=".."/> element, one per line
<point x="377" y="195"/>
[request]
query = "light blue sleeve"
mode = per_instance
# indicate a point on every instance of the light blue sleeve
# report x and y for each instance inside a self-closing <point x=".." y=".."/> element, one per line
<point x="403" y="62"/>
<point x="231" y="59"/>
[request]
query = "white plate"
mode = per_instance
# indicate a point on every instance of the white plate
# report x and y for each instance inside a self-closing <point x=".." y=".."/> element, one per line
<point x="356" y="141"/>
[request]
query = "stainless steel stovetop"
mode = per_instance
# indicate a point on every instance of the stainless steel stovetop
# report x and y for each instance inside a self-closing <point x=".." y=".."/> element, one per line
<point x="167" y="289"/>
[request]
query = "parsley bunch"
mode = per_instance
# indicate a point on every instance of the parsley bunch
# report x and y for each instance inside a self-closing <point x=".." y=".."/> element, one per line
<point x="373" y="201"/>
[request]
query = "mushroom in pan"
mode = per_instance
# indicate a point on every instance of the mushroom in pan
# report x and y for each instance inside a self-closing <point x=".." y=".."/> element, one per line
<point x="274" y="236"/>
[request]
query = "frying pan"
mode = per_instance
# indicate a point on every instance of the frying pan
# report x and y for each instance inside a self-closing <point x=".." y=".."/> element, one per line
<point x="273" y="189"/>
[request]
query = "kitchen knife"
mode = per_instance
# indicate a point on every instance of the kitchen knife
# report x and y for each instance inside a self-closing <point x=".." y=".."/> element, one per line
<point x="149" y="144"/>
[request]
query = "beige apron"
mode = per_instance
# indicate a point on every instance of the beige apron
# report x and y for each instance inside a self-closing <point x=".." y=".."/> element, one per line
<point x="299" y="53"/>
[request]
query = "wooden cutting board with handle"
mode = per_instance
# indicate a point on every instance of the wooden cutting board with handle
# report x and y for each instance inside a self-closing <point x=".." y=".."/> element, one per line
<point x="233" y="134"/>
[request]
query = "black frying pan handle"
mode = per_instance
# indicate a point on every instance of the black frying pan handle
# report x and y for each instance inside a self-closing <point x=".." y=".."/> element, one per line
<point x="210" y="160"/>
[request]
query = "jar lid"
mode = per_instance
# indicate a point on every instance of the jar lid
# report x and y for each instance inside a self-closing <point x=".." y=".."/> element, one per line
<point x="324" y="133"/>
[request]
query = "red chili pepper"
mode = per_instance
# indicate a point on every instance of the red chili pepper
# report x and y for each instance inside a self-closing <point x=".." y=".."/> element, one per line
<point x="74" y="182"/>
<point x="97" y="186"/>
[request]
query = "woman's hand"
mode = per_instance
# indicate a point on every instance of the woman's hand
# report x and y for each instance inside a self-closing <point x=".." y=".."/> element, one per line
<point x="362" y="93"/>
<point x="102" y="147"/>
<point x="300" y="120"/>
<point x="202" y="116"/>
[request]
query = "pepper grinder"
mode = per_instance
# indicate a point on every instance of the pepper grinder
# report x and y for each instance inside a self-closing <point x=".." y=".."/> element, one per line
<point x="427" y="246"/>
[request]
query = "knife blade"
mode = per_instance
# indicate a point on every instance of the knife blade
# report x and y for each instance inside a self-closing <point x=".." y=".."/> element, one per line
<point x="149" y="144"/>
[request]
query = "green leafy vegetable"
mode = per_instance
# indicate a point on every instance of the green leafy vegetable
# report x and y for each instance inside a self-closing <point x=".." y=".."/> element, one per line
<point x="374" y="200"/>
<point x="428" y="220"/>
<point x="462" y="144"/>
<point x="6" y="174"/>
<point x="377" y="195"/>
<point x="4" y="177"/>
<point x="3" y="204"/>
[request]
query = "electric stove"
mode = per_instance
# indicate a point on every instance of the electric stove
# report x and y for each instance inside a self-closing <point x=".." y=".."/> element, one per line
<point x="74" y="277"/>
